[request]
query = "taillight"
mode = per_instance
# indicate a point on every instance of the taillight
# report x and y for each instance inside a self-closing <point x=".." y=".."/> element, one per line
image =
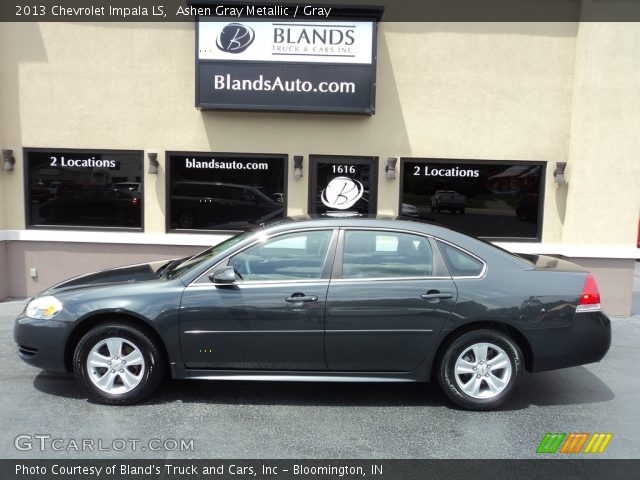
<point x="590" y="298"/>
<point x="135" y="200"/>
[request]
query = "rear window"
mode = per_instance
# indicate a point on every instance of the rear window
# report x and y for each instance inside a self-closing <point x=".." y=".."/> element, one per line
<point x="460" y="264"/>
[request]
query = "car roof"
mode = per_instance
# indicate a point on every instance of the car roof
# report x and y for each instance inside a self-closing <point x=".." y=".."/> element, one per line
<point x="359" y="220"/>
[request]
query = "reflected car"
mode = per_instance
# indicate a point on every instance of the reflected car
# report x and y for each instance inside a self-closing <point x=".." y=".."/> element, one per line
<point x="39" y="193"/>
<point x="322" y="299"/>
<point x="409" y="210"/>
<point x="448" y="200"/>
<point x="102" y="205"/>
<point x="131" y="186"/>
<point x="214" y="204"/>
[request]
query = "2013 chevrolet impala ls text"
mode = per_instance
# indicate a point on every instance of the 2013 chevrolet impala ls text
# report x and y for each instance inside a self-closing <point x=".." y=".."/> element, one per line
<point x="322" y="299"/>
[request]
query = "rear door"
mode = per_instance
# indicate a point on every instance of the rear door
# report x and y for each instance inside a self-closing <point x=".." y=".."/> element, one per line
<point x="389" y="296"/>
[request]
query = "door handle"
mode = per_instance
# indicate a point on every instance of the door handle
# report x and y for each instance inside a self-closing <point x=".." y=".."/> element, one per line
<point x="301" y="297"/>
<point x="436" y="295"/>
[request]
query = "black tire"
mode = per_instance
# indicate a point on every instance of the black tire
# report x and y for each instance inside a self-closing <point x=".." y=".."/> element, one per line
<point x="461" y="345"/>
<point x="150" y="374"/>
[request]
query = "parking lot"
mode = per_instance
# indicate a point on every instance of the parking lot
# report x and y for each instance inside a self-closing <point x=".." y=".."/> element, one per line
<point x="300" y="420"/>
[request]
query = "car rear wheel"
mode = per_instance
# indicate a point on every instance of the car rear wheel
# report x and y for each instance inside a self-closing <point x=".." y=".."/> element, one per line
<point x="480" y="369"/>
<point x="117" y="364"/>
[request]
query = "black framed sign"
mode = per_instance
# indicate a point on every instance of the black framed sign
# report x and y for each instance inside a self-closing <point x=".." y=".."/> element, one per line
<point x="280" y="65"/>
<point x="224" y="191"/>
<point x="84" y="188"/>
<point x="343" y="185"/>
<point x="486" y="198"/>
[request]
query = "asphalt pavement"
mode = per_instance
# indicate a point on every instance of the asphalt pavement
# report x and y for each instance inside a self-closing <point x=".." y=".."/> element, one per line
<point x="43" y="415"/>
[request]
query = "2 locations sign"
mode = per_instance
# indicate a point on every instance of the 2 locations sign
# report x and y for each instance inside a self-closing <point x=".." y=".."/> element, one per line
<point x="316" y="66"/>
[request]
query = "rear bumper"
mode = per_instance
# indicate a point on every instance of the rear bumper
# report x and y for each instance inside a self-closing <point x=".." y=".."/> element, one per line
<point x="586" y="340"/>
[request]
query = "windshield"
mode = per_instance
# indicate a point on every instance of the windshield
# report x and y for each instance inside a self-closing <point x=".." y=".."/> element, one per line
<point x="196" y="260"/>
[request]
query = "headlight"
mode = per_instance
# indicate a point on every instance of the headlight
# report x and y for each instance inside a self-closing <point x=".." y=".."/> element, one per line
<point x="43" y="308"/>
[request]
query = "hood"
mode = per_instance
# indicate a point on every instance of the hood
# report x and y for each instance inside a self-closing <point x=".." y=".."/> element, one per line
<point x="142" y="272"/>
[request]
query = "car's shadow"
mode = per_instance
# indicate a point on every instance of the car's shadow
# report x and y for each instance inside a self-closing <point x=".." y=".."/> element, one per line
<point x="573" y="386"/>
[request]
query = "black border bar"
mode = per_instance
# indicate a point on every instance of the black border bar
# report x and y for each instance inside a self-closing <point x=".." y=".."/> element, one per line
<point x="167" y="469"/>
<point x="386" y="10"/>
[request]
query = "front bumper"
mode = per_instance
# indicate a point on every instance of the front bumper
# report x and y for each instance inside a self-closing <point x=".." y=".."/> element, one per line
<point x="41" y="342"/>
<point x="586" y="340"/>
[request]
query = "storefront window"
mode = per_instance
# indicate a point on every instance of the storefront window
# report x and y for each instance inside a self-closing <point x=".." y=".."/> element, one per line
<point x="84" y="188"/>
<point x="211" y="191"/>
<point x="342" y="185"/>
<point x="491" y="199"/>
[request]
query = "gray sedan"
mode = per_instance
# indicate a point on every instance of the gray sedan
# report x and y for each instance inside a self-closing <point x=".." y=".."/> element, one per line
<point x="322" y="299"/>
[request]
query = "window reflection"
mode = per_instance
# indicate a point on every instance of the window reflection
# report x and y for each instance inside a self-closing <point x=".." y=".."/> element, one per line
<point x="218" y="192"/>
<point x="486" y="199"/>
<point x="84" y="188"/>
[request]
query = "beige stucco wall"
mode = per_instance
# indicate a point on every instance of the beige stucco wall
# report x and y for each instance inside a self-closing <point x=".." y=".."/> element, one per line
<point x="498" y="91"/>
<point x="603" y="170"/>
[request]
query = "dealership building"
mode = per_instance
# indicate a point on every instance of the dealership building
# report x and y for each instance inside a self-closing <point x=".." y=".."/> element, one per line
<point x="130" y="142"/>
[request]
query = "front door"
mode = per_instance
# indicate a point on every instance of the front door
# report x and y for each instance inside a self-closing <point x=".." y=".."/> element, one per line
<point x="271" y="317"/>
<point x="391" y="297"/>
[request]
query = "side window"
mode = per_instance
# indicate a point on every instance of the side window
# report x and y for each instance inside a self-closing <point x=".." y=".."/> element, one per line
<point x="296" y="256"/>
<point x="375" y="254"/>
<point x="460" y="263"/>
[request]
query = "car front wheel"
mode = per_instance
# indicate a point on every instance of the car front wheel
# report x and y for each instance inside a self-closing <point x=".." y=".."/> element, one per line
<point x="479" y="369"/>
<point x="117" y="364"/>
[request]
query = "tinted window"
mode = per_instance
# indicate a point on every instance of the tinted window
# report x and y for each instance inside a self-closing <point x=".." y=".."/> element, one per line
<point x="369" y="254"/>
<point x="297" y="256"/>
<point x="191" y="262"/>
<point x="460" y="263"/>
<point x="210" y="191"/>
<point x="84" y="188"/>
<point x="485" y="199"/>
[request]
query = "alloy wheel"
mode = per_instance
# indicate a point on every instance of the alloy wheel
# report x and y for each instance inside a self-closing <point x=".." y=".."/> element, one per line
<point x="115" y="365"/>
<point x="483" y="370"/>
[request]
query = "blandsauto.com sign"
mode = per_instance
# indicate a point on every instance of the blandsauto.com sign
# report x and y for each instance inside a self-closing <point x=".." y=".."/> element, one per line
<point x="315" y="66"/>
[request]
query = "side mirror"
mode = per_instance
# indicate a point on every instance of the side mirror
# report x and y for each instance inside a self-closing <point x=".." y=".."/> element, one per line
<point x="224" y="275"/>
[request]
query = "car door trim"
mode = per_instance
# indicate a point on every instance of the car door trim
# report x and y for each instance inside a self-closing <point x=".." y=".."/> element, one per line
<point x="382" y="279"/>
<point x="392" y="330"/>
<point x="382" y="330"/>
<point x="198" y="332"/>
<point x="263" y="283"/>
